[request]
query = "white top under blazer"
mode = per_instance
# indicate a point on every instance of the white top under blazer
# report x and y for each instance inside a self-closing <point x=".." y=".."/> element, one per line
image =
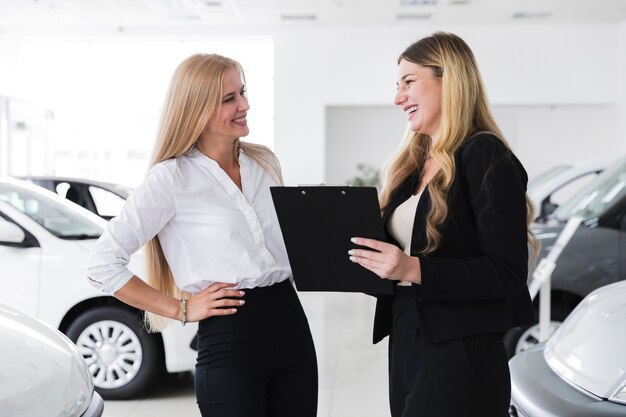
<point x="400" y="225"/>
<point x="209" y="230"/>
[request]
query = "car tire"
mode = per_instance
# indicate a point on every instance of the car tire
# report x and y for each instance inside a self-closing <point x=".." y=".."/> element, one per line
<point x="519" y="339"/>
<point x="122" y="357"/>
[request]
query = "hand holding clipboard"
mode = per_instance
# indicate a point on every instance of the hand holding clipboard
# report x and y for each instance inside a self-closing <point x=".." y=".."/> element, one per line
<point x="317" y="223"/>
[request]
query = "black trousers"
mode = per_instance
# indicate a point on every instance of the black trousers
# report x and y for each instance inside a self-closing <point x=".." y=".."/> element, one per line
<point x="467" y="377"/>
<point x="260" y="361"/>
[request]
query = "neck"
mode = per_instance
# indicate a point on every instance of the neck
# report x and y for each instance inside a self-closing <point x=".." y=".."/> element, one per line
<point x="222" y="152"/>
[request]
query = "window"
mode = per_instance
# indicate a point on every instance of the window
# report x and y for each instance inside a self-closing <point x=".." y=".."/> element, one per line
<point x="53" y="215"/>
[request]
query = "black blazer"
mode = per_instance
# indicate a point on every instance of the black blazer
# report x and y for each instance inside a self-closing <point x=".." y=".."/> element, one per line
<point x="475" y="282"/>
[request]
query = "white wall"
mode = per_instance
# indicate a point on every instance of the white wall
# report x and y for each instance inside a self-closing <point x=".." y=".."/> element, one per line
<point x="558" y="84"/>
<point x="540" y="135"/>
<point x="535" y="67"/>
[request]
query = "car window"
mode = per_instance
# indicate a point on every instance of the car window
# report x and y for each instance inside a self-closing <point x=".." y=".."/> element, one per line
<point x="107" y="203"/>
<point x="55" y="217"/>
<point x="545" y="176"/>
<point x="567" y="191"/>
<point x="597" y="196"/>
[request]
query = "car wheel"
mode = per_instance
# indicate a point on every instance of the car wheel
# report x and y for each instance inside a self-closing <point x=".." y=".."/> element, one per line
<point x="520" y="339"/>
<point x="122" y="357"/>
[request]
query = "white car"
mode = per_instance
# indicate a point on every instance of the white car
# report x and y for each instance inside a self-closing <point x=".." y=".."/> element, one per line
<point x="581" y="370"/>
<point x="44" y="244"/>
<point x="554" y="186"/>
<point x="41" y="371"/>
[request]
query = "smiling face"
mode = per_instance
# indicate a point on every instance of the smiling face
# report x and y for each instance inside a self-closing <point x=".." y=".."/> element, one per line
<point x="419" y="95"/>
<point x="230" y="122"/>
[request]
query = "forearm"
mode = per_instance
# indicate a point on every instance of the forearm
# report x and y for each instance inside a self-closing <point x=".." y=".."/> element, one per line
<point x="144" y="297"/>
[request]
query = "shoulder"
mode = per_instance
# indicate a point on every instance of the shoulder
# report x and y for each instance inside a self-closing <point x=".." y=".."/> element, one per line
<point x="163" y="172"/>
<point x="485" y="145"/>
<point x="265" y="159"/>
<point x="488" y="153"/>
<point x="254" y="149"/>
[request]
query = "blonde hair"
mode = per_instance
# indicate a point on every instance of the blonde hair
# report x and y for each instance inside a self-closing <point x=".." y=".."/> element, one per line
<point x="464" y="112"/>
<point x="194" y="96"/>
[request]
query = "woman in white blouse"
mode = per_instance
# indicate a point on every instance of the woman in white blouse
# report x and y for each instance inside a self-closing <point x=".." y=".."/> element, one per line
<point x="215" y="250"/>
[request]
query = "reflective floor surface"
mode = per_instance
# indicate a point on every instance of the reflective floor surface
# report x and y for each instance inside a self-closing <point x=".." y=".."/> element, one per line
<point x="352" y="371"/>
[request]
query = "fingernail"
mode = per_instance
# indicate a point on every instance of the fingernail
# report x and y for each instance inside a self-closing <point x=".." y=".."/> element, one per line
<point x="351" y="252"/>
<point x="242" y="293"/>
<point x="352" y="258"/>
<point x="241" y="301"/>
<point x="353" y="240"/>
<point x="234" y="310"/>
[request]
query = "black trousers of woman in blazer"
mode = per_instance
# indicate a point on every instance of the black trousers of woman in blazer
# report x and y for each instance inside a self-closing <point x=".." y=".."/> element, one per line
<point x="445" y="333"/>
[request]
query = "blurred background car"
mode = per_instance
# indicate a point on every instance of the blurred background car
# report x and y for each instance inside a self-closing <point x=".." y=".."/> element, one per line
<point x="41" y="371"/>
<point x="44" y="244"/>
<point x="595" y="255"/>
<point x="555" y="186"/>
<point x="581" y="370"/>
<point x="102" y="198"/>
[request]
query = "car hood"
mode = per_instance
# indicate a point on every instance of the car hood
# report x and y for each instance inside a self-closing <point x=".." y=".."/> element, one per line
<point x="41" y="371"/>
<point x="588" y="349"/>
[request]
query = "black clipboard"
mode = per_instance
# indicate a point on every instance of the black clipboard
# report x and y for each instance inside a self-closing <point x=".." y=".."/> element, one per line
<point x="317" y="223"/>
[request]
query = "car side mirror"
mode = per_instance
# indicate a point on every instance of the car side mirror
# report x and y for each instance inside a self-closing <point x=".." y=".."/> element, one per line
<point x="11" y="233"/>
<point x="547" y="208"/>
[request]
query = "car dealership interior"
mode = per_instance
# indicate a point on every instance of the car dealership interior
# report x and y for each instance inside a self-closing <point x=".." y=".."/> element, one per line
<point x="83" y="89"/>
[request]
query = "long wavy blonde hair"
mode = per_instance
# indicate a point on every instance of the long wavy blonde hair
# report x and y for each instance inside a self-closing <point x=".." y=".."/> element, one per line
<point x="194" y="96"/>
<point x="464" y="112"/>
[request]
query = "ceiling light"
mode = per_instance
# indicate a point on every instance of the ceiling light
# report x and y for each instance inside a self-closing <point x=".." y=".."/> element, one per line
<point x="418" y="2"/>
<point x="531" y="15"/>
<point x="298" y="17"/>
<point x="413" y="16"/>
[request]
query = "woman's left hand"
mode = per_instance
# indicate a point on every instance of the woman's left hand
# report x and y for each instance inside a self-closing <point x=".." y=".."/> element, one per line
<point x="386" y="260"/>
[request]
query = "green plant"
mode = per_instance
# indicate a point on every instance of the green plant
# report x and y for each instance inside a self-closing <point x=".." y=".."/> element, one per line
<point x="368" y="176"/>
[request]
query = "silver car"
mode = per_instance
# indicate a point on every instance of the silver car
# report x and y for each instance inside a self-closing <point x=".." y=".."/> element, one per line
<point x="41" y="371"/>
<point x="581" y="370"/>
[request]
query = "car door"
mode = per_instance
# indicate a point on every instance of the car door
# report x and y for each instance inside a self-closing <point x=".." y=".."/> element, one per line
<point x="20" y="277"/>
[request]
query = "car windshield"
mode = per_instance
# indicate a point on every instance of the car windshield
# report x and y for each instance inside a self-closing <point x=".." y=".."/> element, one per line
<point x="597" y="196"/>
<point x="53" y="215"/>
<point x="545" y="176"/>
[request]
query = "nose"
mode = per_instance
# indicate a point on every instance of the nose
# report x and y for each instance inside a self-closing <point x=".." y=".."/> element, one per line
<point x="244" y="105"/>
<point x="399" y="98"/>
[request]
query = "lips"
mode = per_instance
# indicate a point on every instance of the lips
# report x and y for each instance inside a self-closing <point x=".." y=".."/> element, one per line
<point x="411" y="110"/>
<point x="241" y="121"/>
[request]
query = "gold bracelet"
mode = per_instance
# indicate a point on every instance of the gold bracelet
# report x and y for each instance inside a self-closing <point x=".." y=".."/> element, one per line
<point x="183" y="302"/>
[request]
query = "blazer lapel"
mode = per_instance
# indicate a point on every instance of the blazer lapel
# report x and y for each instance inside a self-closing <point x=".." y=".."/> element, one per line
<point x="418" y="238"/>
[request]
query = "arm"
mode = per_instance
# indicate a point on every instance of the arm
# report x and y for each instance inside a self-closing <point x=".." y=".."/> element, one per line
<point x="495" y="185"/>
<point x="496" y="188"/>
<point x="145" y="213"/>
<point x="207" y="303"/>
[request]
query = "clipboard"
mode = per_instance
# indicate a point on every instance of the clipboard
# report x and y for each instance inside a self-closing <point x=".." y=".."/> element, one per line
<point x="317" y="223"/>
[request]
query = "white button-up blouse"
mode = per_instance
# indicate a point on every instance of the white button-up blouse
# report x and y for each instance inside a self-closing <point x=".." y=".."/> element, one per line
<point x="209" y="230"/>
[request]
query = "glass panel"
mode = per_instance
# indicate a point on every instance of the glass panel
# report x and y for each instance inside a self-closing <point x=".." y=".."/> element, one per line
<point x="600" y="194"/>
<point x="107" y="203"/>
<point x="55" y="217"/>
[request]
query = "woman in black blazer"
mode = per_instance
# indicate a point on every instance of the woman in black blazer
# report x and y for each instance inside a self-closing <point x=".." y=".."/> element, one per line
<point x="456" y="215"/>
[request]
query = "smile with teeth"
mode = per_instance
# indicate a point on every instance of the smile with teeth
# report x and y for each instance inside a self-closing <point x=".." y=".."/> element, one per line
<point x="241" y="120"/>
<point x="412" y="109"/>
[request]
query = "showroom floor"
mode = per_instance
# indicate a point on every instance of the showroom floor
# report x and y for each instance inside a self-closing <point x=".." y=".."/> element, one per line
<point x="353" y="372"/>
